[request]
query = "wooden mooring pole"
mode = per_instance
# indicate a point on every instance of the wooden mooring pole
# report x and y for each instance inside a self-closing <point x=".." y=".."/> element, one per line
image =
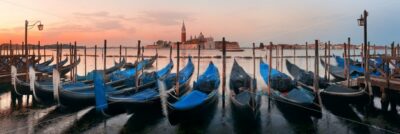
<point x="329" y="60"/>
<point x="223" y="71"/>
<point x="137" y="65"/>
<point x="177" y="69"/>
<point x="306" y="56"/>
<point x="348" y="62"/>
<point x="85" y="54"/>
<point x="198" y="61"/>
<point x="325" y="58"/>
<point x="269" y="71"/>
<point x="316" y="72"/>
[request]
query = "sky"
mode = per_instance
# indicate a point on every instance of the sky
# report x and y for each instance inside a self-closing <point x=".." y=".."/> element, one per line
<point x="123" y="22"/>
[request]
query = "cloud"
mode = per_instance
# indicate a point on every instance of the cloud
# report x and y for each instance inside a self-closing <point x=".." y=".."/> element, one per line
<point x="102" y="15"/>
<point x="165" y="17"/>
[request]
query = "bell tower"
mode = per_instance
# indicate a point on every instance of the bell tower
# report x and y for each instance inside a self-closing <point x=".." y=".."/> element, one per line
<point x="183" y="33"/>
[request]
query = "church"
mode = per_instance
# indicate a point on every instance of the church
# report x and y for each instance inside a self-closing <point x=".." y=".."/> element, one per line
<point x="196" y="41"/>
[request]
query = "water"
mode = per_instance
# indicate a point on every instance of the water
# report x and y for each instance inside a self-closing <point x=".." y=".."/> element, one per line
<point x="31" y="118"/>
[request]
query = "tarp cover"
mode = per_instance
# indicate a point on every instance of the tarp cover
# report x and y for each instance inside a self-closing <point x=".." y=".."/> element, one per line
<point x="279" y="81"/>
<point x="239" y="78"/>
<point x="192" y="99"/>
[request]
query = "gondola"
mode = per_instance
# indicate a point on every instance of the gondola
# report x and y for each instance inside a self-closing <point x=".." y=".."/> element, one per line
<point x="244" y="103"/>
<point x="44" y="87"/>
<point x="197" y="101"/>
<point x="89" y="76"/>
<point x="148" y="99"/>
<point x="149" y="62"/>
<point x="304" y="77"/>
<point x="22" y="87"/>
<point x="290" y="97"/>
<point x="79" y="94"/>
<point x="334" y="93"/>
<point x="44" y="64"/>
<point x="49" y="69"/>
<point x="338" y="72"/>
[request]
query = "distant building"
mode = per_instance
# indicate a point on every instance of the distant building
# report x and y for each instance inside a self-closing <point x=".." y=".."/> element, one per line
<point x="196" y="42"/>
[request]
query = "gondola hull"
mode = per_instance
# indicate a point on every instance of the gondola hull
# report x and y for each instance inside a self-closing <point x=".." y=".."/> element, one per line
<point x="343" y="95"/>
<point x="245" y="112"/>
<point x="287" y="106"/>
<point x="197" y="113"/>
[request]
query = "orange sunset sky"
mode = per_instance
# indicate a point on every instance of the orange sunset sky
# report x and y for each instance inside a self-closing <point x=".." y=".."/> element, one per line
<point x="126" y="21"/>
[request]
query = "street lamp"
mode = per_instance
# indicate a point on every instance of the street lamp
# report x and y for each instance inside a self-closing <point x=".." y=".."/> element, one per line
<point x="362" y="21"/>
<point x="27" y="27"/>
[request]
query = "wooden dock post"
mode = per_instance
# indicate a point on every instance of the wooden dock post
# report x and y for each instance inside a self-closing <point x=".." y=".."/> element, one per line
<point x="348" y="62"/>
<point x="198" y="61"/>
<point x="137" y="65"/>
<point x="269" y="71"/>
<point x="223" y="71"/>
<point x="84" y="51"/>
<point x="75" y="59"/>
<point x="170" y="52"/>
<point x="105" y="56"/>
<point x="325" y="58"/>
<point x="120" y="53"/>
<point x="44" y="52"/>
<point x="70" y="60"/>
<point x="393" y="51"/>
<point x="177" y="69"/>
<point x="38" y="49"/>
<point x="306" y="56"/>
<point x="253" y="89"/>
<point x="316" y="72"/>
<point x="157" y="58"/>
<point x="95" y="57"/>
<point x="57" y="58"/>
<point x="294" y="54"/>
<point x="345" y="61"/>
<point x="277" y="57"/>
<point x="281" y="64"/>
<point x="329" y="60"/>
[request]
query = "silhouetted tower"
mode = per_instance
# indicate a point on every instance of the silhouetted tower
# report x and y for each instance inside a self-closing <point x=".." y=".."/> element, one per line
<point x="183" y="34"/>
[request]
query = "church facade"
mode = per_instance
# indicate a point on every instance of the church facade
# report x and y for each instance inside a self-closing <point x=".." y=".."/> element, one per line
<point x="196" y="41"/>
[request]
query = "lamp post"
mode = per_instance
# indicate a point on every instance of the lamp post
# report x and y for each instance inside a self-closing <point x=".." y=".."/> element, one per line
<point x="362" y="21"/>
<point x="27" y="27"/>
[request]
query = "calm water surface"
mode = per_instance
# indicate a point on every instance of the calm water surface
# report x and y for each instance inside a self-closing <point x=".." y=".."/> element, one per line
<point x="31" y="118"/>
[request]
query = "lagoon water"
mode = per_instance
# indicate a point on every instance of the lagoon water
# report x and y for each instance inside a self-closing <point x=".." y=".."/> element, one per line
<point x="36" y="118"/>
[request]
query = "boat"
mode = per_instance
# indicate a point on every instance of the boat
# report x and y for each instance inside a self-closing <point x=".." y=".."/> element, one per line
<point x="44" y="64"/>
<point x="290" y="97"/>
<point x="149" y="99"/>
<point x="233" y="50"/>
<point x="89" y="76"/>
<point x="44" y="87"/>
<point x="196" y="102"/>
<point x="245" y="104"/>
<point x="338" y="72"/>
<point x="79" y="94"/>
<point x="304" y="77"/>
<point x="334" y="93"/>
<point x="49" y="69"/>
<point x="22" y="87"/>
<point x="149" y="62"/>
